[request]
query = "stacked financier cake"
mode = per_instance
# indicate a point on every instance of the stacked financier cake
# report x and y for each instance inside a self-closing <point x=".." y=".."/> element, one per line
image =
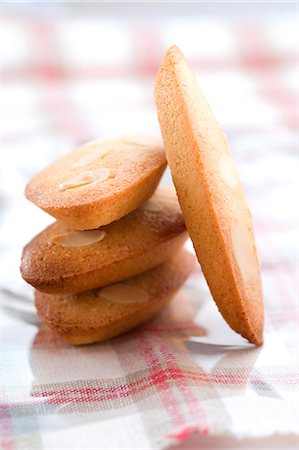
<point x="114" y="258"/>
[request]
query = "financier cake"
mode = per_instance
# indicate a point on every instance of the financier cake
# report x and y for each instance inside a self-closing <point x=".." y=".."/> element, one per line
<point x="99" y="182"/>
<point x="211" y="196"/>
<point x="100" y="314"/>
<point x="60" y="260"/>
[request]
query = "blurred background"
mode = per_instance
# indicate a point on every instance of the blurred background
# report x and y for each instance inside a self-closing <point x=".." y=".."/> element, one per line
<point x="73" y="72"/>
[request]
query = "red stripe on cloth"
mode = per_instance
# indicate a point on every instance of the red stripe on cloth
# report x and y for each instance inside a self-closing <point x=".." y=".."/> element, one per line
<point x="192" y="402"/>
<point x="258" y="56"/>
<point x="6" y="427"/>
<point x="285" y="316"/>
<point x="187" y="431"/>
<point x="283" y="288"/>
<point x="234" y="63"/>
<point x="7" y="444"/>
<point x="273" y="90"/>
<point x="61" y="74"/>
<point x="146" y="51"/>
<point x="254" y="54"/>
<point x="145" y="69"/>
<point x="51" y="74"/>
<point x="160" y="381"/>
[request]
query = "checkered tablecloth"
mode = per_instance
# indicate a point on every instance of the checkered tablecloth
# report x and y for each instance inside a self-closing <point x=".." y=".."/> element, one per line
<point x="68" y="79"/>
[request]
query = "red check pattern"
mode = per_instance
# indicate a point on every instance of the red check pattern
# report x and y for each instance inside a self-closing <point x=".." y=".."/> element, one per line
<point x="70" y="79"/>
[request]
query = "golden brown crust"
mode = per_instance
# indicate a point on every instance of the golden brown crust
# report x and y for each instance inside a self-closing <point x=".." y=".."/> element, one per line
<point x="211" y="196"/>
<point x="85" y="318"/>
<point x="135" y="165"/>
<point x="136" y="243"/>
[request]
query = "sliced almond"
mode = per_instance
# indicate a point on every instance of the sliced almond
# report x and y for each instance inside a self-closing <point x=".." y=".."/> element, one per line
<point x="228" y="171"/>
<point x="91" y="157"/>
<point x="102" y="174"/>
<point x="86" y="177"/>
<point x="133" y="148"/>
<point x="78" y="238"/>
<point x="124" y="294"/>
<point x="243" y="250"/>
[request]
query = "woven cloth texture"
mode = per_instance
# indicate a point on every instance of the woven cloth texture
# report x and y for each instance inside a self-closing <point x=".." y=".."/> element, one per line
<point x="71" y="79"/>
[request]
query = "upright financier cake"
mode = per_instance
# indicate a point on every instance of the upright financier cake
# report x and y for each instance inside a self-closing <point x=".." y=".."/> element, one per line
<point x="211" y="196"/>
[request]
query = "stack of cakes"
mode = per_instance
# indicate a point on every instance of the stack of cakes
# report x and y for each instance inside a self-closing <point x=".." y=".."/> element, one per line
<point x="110" y="187"/>
<point x="114" y="257"/>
